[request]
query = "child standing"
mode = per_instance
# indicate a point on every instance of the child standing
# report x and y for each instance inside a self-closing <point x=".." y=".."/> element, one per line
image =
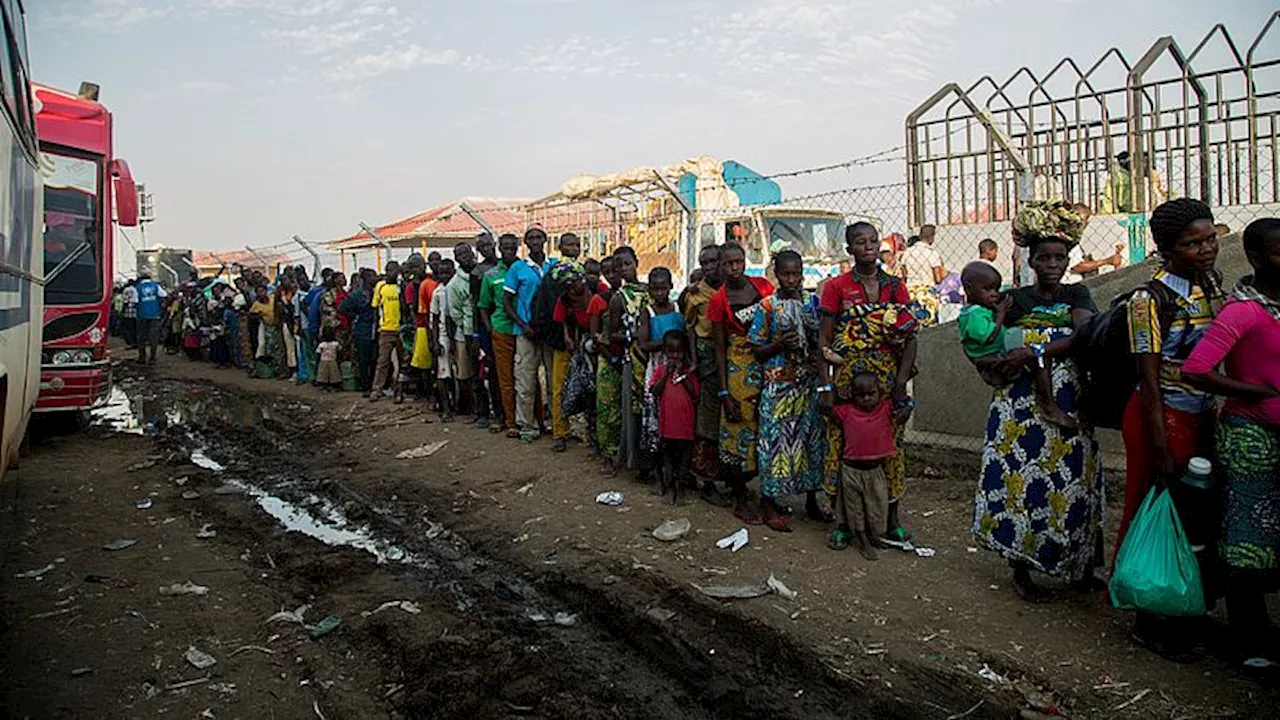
<point x="675" y="390"/>
<point x="985" y="339"/>
<point x="328" y="374"/>
<point x="862" y="495"/>
<point x="659" y="319"/>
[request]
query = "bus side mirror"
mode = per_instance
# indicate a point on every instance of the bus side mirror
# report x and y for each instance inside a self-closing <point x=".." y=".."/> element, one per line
<point x="126" y="193"/>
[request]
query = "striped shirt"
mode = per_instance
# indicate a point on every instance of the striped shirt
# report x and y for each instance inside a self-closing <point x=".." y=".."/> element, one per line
<point x="1191" y="318"/>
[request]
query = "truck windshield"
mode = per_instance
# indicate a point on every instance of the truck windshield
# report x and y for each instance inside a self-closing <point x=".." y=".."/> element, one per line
<point x="72" y="231"/>
<point x="812" y="237"/>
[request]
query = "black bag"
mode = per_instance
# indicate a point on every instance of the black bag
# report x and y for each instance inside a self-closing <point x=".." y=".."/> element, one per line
<point x="542" y="309"/>
<point x="579" y="392"/>
<point x="1108" y="371"/>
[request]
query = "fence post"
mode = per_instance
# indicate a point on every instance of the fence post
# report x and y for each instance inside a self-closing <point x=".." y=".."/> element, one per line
<point x="315" y="259"/>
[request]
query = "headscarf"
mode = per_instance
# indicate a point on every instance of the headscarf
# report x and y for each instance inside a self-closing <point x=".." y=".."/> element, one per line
<point x="566" y="272"/>
<point x="1047" y="220"/>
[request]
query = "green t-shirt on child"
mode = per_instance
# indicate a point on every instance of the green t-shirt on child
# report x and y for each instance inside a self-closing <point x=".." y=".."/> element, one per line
<point x="977" y="323"/>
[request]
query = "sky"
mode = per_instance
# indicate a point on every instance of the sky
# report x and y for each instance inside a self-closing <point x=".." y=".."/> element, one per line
<point x="253" y="120"/>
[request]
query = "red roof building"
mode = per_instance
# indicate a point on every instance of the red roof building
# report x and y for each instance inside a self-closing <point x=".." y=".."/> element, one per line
<point x="444" y="226"/>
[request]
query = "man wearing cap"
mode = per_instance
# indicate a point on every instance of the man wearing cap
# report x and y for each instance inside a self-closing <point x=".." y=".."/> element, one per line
<point x="149" y="296"/>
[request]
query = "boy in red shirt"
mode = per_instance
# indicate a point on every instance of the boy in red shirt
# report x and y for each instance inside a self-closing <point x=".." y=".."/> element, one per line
<point x="675" y="387"/>
<point x="862" y="495"/>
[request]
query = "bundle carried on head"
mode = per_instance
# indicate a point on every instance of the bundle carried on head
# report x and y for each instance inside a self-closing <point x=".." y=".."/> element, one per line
<point x="567" y="271"/>
<point x="1039" y="220"/>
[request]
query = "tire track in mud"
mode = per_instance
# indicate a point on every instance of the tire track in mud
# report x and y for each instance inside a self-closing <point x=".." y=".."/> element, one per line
<point x="500" y="652"/>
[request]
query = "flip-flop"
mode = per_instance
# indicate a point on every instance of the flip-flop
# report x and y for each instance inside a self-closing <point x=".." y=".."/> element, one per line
<point x="778" y="523"/>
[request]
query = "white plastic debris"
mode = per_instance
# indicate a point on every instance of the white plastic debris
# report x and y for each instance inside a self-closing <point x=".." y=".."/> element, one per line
<point x="198" y="658"/>
<point x="143" y="504"/>
<point x="986" y="673"/>
<point x="186" y="588"/>
<point x="201" y="460"/>
<point x="776" y="585"/>
<point x="422" y="451"/>
<point x="406" y="605"/>
<point x="612" y="497"/>
<point x="293" y="616"/>
<point x="736" y="541"/>
<point x="925" y="552"/>
<point x="206" y="532"/>
<point x="672" y="530"/>
<point x="36" y="574"/>
<point x="564" y="619"/>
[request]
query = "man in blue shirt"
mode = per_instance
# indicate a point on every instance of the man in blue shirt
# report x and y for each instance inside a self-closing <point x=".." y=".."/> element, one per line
<point x="149" y="296"/>
<point x="310" y="315"/>
<point x="523" y="279"/>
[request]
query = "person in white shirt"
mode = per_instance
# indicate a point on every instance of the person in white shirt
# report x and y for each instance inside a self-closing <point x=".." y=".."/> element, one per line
<point x="923" y="264"/>
<point x="988" y="253"/>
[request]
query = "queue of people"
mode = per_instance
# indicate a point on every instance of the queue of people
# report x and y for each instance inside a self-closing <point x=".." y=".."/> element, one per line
<point x="1190" y="342"/>
<point x="738" y="379"/>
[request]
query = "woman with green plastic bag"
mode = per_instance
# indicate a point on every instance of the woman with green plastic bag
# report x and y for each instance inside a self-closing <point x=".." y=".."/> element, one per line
<point x="1156" y="570"/>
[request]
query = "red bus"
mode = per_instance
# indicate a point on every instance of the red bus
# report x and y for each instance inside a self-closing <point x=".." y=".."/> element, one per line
<point x="82" y="178"/>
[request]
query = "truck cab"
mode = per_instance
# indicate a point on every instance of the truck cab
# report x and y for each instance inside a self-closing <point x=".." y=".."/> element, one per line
<point x="818" y="235"/>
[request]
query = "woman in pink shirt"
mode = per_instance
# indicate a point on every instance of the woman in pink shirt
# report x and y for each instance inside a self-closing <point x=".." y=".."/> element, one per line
<point x="1245" y="340"/>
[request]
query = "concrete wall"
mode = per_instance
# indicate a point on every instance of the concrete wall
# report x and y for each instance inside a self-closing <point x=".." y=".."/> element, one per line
<point x="952" y="402"/>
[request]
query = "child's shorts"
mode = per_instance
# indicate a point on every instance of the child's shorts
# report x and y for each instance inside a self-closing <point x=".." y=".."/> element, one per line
<point x="328" y="373"/>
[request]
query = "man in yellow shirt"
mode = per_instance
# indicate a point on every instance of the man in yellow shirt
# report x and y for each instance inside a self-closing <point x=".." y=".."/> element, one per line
<point x="386" y="300"/>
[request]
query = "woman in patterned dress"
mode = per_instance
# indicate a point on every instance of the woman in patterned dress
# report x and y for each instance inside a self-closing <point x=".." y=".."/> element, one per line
<point x="791" y="445"/>
<point x="614" y="324"/>
<point x="1040" y="498"/>
<point x="1245" y="341"/>
<point x="868" y="325"/>
<point x="731" y="311"/>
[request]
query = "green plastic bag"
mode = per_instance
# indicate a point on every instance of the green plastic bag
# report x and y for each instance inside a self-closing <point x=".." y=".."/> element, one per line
<point x="1156" y="571"/>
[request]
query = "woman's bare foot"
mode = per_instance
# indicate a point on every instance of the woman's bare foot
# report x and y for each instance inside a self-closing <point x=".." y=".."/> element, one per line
<point x="746" y="513"/>
<point x="1054" y="414"/>
<point x="864" y="546"/>
<point x="1026" y="589"/>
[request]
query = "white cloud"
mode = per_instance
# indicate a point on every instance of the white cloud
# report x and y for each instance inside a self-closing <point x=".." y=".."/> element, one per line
<point x="405" y="58"/>
<point x="316" y="39"/>
<point x="111" y="15"/>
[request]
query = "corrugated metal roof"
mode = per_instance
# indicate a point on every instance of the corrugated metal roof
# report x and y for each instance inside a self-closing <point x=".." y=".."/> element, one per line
<point x="443" y="222"/>
<point x="207" y="259"/>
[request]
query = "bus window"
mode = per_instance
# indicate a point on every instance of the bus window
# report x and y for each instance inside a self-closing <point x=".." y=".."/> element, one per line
<point x="72" y="232"/>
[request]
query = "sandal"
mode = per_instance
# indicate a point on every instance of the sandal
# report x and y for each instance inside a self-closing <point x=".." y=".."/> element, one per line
<point x="839" y="539"/>
<point x="513" y="434"/>
<point x="778" y="523"/>
<point x="898" y="537"/>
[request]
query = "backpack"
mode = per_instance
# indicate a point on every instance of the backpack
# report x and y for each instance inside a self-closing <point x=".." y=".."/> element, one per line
<point x="542" y="309"/>
<point x="1107" y="369"/>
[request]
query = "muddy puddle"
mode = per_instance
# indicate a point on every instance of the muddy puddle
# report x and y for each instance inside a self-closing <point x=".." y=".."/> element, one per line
<point x="312" y="515"/>
<point x="135" y="410"/>
<point x="582" y="638"/>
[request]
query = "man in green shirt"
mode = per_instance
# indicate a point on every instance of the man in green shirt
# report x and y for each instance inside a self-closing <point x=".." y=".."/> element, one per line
<point x="501" y="327"/>
<point x="460" y="326"/>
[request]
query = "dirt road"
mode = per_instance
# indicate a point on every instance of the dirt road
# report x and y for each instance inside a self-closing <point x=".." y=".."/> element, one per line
<point x="485" y="581"/>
